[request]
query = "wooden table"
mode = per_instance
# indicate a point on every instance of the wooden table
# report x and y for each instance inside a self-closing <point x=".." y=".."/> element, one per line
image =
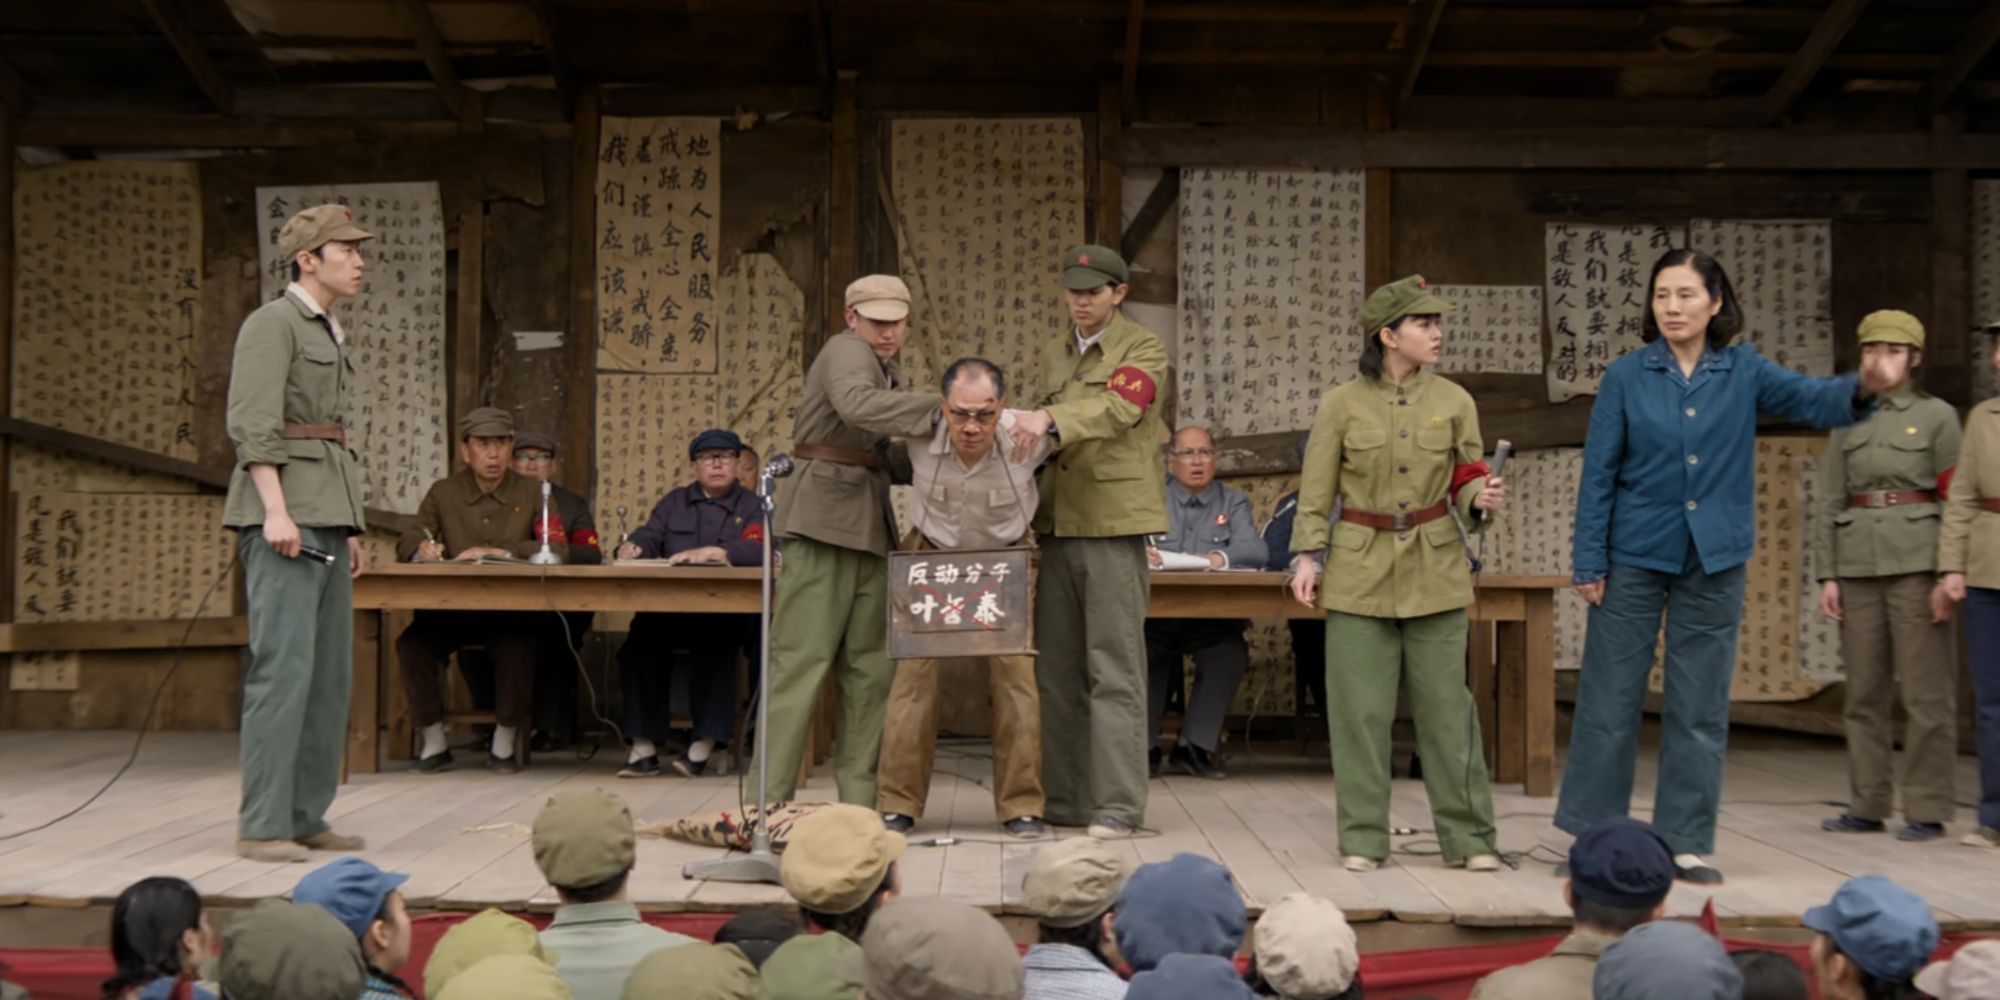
<point x="1512" y="646"/>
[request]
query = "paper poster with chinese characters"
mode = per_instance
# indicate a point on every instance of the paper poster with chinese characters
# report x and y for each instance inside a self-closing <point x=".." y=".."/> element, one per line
<point x="1596" y="278"/>
<point x="98" y="557"/>
<point x="1271" y="282"/>
<point x="1534" y="533"/>
<point x="1819" y="636"/>
<point x="763" y="321"/>
<point x="983" y="209"/>
<point x="1783" y="275"/>
<point x="1985" y="285"/>
<point x="1491" y="328"/>
<point x="659" y="196"/>
<point x="107" y="270"/>
<point x="396" y="415"/>
<point x="644" y="425"/>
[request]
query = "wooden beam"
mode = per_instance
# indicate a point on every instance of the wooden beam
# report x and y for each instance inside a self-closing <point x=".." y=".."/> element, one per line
<point x="172" y="22"/>
<point x="1110" y="176"/>
<point x="821" y="26"/>
<point x="1135" y="23"/>
<point x="843" y="218"/>
<point x="430" y="42"/>
<point x="1159" y="204"/>
<point x="1826" y="36"/>
<point x="161" y="633"/>
<point x="1416" y="45"/>
<point x="1586" y="149"/>
<point x="579" y="432"/>
<point x="1320" y="58"/>
<point x="1480" y="112"/>
<point x="467" y="333"/>
<point x="1977" y="39"/>
<point x="545" y="20"/>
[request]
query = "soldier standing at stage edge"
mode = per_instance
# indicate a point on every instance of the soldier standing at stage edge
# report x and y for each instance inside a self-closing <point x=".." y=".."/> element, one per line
<point x="1101" y="496"/>
<point x="296" y="486"/>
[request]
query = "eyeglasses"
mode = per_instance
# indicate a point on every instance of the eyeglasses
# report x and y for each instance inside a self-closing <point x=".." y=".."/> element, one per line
<point x="1194" y="453"/>
<point x="982" y="416"/>
<point x="715" y="457"/>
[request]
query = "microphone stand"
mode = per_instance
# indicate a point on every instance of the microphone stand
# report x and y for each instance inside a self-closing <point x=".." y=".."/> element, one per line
<point x="547" y="556"/>
<point x="761" y="863"/>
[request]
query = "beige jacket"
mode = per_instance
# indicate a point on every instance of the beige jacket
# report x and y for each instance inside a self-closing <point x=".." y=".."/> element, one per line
<point x="1970" y="540"/>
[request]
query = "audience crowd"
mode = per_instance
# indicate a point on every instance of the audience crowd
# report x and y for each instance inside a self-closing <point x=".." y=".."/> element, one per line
<point x="1170" y="930"/>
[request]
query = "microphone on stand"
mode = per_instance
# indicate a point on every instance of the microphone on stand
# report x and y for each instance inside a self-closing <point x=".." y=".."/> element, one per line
<point x="778" y="467"/>
<point x="547" y="556"/>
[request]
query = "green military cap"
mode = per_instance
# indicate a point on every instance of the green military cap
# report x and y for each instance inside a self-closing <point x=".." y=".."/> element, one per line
<point x="837" y="857"/>
<point x="527" y="440"/>
<point x="481" y="936"/>
<point x="291" y="951"/>
<point x="487" y="421"/>
<point x="1092" y="266"/>
<point x="1409" y="297"/>
<point x="584" y="838"/>
<point x="811" y="967"/>
<point x="316" y="227"/>
<point x="695" y="972"/>
<point x="1072" y="882"/>
<point x="504" y="977"/>
<point x="1892" y="326"/>
<point x="936" y="949"/>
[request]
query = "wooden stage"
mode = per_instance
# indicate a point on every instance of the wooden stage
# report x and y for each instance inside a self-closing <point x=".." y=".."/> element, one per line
<point x="462" y="836"/>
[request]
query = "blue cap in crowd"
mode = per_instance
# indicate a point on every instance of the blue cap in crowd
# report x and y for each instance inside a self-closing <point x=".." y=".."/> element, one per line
<point x="1882" y="927"/>
<point x="1190" y="977"/>
<point x="714" y="439"/>
<point x="1621" y="863"/>
<point x="1665" y="960"/>
<point x="351" y="889"/>
<point x="1187" y="905"/>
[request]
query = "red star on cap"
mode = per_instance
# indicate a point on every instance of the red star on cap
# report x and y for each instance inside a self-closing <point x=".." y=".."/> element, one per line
<point x="1083" y="260"/>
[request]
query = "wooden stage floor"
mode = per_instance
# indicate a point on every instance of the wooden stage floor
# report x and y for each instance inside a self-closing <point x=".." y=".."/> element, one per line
<point x="462" y="836"/>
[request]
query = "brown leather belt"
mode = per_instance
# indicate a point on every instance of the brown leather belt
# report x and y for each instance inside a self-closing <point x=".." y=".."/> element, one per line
<point x="1990" y="503"/>
<point x="314" y="432"/>
<point x="1395" y="522"/>
<point x="838" y="456"/>
<point x="1891" y="498"/>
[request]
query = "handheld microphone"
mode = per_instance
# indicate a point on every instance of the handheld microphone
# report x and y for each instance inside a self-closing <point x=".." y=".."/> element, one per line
<point x="317" y="555"/>
<point x="778" y="467"/>
<point x="1502" y="450"/>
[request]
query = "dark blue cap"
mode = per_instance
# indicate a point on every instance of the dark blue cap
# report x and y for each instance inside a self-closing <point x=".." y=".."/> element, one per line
<point x="1185" y="905"/>
<point x="1665" y="960"/>
<point x="1882" y="927"/>
<point x="1621" y="863"/>
<point x="715" y="439"/>
<point x="351" y="889"/>
<point x="1190" y="977"/>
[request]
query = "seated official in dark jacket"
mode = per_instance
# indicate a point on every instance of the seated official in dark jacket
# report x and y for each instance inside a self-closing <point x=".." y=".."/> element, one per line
<point x="711" y="520"/>
<point x="484" y="509"/>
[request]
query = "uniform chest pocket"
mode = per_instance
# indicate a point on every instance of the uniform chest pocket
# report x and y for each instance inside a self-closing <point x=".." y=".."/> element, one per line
<point x="1001" y="499"/>
<point x="682" y="522"/>
<point x="1364" y="439"/>
<point x="319" y="349"/>
<point x="1434" y="439"/>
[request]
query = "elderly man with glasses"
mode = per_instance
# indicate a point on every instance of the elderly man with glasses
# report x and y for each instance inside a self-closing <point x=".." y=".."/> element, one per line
<point x="1208" y="519"/>
<point x="711" y="520"/>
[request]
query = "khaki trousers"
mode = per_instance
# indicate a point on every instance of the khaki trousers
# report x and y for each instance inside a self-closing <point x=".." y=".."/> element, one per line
<point x="909" y="732"/>
<point x="1889" y="646"/>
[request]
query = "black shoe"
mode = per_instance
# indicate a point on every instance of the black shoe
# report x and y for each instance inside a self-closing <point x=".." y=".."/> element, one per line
<point x="1917" y="833"/>
<point x="1850" y="823"/>
<point x="501" y="765"/>
<point x="898" y="822"/>
<point x="1153" y="762"/>
<point x="691" y="768"/>
<point x="1026" y="827"/>
<point x="645" y="767"/>
<point x="434" y="763"/>
<point x="1699" y="875"/>
<point x="1198" y="762"/>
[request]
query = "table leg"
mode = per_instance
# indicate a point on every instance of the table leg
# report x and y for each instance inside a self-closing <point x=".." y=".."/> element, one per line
<point x="396" y="705"/>
<point x="1512" y="753"/>
<point x="364" y="704"/>
<point x="1539" y="715"/>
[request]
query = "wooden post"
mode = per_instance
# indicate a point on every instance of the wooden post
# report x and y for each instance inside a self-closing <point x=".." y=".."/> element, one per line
<point x="6" y="367"/>
<point x="1950" y="327"/>
<point x="466" y="334"/>
<point x="1110" y="176"/>
<point x="580" y="343"/>
<point x="843" y="237"/>
<point x="1377" y="191"/>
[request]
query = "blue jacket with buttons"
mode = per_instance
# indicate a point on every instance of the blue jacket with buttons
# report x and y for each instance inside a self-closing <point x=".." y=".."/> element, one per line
<point x="1671" y="461"/>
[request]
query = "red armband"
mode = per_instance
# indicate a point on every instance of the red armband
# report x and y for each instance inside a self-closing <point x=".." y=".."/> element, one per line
<point x="1462" y="474"/>
<point x="1133" y="386"/>
<point x="1944" y="482"/>
<point x="753" y="532"/>
<point x="583" y="538"/>
<point x="550" y="530"/>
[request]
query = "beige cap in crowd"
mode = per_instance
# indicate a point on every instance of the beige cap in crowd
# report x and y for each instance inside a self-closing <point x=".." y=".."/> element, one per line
<point x="1073" y="882"/>
<point x="583" y="838"/>
<point x="881" y="297"/>
<point x="316" y="227"/>
<point x="1972" y="974"/>
<point x="837" y="858"/>
<point x="479" y="937"/>
<point x="1305" y="949"/>
<point x="506" y="977"/>
<point x="936" y="949"/>
<point x="694" y="972"/>
<point x="290" y="951"/>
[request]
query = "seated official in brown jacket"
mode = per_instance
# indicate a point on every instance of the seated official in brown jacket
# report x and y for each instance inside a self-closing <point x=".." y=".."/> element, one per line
<point x="484" y="509"/>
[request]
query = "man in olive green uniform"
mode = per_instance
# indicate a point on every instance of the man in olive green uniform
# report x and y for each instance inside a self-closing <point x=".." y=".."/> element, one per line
<point x="1397" y="453"/>
<point x="834" y="517"/>
<point x="1881" y="483"/>
<point x="1969" y="573"/>
<point x="296" y="487"/>
<point x="1101" y="495"/>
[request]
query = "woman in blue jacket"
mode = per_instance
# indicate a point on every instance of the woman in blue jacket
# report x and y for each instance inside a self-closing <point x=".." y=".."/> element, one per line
<point x="1665" y="523"/>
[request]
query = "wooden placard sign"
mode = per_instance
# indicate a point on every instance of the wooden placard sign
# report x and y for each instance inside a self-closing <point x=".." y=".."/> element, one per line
<point x="969" y="602"/>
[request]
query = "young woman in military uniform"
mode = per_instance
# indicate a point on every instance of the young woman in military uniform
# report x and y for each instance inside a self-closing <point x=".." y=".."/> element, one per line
<point x="1875" y="551"/>
<point x="1395" y="456"/>
<point x="1969" y="571"/>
